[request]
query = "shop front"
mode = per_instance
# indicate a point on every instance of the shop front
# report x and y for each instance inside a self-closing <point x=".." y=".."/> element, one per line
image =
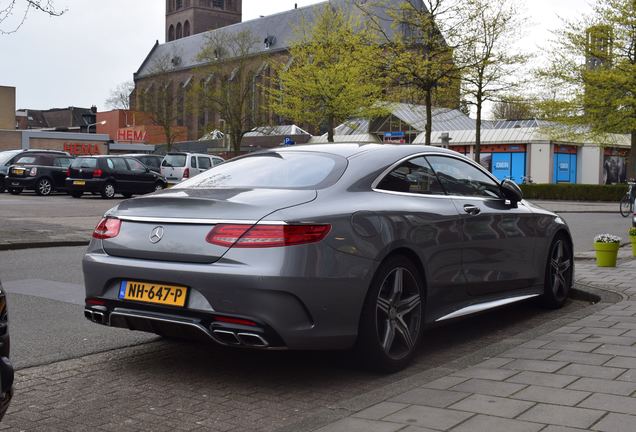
<point x="615" y="162"/>
<point x="565" y="160"/>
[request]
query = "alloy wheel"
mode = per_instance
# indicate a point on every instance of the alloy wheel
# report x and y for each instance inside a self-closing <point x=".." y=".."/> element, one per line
<point x="398" y="313"/>
<point x="560" y="270"/>
<point x="109" y="190"/>
<point x="44" y="187"/>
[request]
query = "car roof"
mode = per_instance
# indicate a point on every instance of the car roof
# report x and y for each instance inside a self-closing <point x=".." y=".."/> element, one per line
<point x="349" y="150"/>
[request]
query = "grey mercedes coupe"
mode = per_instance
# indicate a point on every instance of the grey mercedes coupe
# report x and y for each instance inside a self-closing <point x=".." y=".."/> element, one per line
<point x="325" y="247"/>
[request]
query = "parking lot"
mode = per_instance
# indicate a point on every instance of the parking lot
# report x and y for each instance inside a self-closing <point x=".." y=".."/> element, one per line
<point x="69" y="368"/>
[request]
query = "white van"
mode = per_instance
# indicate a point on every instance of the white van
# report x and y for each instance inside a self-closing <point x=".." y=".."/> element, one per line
<point x="179" y="166"/>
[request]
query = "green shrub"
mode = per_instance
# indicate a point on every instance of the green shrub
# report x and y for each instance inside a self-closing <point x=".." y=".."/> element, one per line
<point x="573" y="192"/>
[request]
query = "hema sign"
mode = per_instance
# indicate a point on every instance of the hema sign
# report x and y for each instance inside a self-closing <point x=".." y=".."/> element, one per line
<point x="131" y="135"/>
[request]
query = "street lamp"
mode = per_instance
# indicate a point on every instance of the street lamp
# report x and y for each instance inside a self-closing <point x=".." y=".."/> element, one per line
<point x="101" y="123"/>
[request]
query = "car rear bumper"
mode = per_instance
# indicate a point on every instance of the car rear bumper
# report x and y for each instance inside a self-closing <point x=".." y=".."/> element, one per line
<point x="20" y="182"/>
<point x="90" y="185"/>
<point x="292" y="310"/>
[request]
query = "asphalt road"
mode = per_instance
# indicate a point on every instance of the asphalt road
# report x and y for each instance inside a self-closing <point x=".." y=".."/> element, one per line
<point x="584" y="226"/>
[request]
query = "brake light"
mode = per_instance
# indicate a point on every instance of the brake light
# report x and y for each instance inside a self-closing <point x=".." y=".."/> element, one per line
<point x="239" y="321"/>
<point x="95" y="302"/>
<point x="33" y="172"/>
<point x="186" y="173"/>
<point x="68" y="172"/>
<point x="98" y="173"/>
<point x="265" y="236"/>
<point x="107" y="228"/>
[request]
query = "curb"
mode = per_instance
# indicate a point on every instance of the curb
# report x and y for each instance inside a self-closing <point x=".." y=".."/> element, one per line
<point x="42" y="245"/>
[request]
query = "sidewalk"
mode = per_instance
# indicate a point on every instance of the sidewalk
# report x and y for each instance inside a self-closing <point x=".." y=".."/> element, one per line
<point x="578" y="206"/>
<point x="578" y="377"/>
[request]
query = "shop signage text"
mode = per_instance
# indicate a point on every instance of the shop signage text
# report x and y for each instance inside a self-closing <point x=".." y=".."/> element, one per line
<point x="131" y="135"/>
<point x="502" y="165"/>
<point x="82" y="149"/>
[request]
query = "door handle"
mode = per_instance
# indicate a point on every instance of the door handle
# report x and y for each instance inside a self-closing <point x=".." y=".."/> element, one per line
<point x="472" y="210"/>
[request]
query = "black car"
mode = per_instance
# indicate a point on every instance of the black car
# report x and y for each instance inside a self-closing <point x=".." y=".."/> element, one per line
<point x="9" y="157"/>
<point x="152" y="161"/>
<point x="6" y="368"/>
<point x="110" y="175"/>
<point x="42" y="172"/>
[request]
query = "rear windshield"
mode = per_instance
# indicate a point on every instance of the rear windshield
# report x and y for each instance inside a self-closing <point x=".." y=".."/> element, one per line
<point x="26" y="160"/>
<point x="80" y="163"/>
<point x="149" y="161"/>
<point x="174" y="160"/>
<point x="6" y="156"/>
<point x="272" y="170"/>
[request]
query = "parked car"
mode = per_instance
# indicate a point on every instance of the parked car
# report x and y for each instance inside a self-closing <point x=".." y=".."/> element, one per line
<point x="177" y="167"/>
<point x="6" y="368"/>
<point x="8" y="158"/>
<point x="152" y="161"/>
<point x="42" y="172"/>
<point x="110" y="175"/>
<point x="326" y="247"/>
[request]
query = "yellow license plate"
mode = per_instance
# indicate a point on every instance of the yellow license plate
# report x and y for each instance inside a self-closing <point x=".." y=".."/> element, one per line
<point x="79" y="182"/>
<point x="18" y="171"/>
<point x="156" y="293"/>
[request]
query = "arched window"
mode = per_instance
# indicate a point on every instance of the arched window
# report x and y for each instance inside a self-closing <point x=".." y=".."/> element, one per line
<point x="179" y="4"/>
<point x="171" y="33"/>
<point x="186" y="29"/>
<point x="179" y="31"/>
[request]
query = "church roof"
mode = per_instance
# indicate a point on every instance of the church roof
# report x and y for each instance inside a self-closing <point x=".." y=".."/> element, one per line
<point x="279" y="28"/>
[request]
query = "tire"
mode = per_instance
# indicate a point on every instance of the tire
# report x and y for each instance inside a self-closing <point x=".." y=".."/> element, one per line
<point x="2" y="188"/>
<point x="626" y="206"/>
<point x="44" y="187"/>
<point x="127" y="195"/>
<point x="108" y="191"/>
<point x="76" y="194"/>
<point x="392" y="317"/>
<point x="159" y="186"/>
<point x="559" y="273"/>
<point x="15" y="191"/>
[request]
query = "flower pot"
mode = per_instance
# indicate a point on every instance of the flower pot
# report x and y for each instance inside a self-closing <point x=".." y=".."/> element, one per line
<point x="606" y="254"/>
<point x="633" y="239"/>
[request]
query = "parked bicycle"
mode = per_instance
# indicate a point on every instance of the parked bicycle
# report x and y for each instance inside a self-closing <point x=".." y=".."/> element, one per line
<point x="627" y="202"/>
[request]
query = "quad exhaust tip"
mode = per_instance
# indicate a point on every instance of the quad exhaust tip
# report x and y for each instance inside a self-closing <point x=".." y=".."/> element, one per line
<point x="95" y="316"/>
<point x="246" y="339"/>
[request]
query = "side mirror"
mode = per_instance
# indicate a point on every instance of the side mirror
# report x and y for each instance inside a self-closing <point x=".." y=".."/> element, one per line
<point x="511" y="191"/>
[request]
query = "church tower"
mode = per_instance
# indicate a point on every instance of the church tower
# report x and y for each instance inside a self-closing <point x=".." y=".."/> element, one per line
<point x="187" y="17"/>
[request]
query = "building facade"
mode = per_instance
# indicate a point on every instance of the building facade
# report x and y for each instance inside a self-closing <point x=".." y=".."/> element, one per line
<point x="189" y="17"/>
<point x="7" y="107"/>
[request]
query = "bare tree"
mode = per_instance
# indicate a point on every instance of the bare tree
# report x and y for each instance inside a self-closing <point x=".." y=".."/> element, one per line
<point x="21" y="9"/>
<point x="513" y="108"/>
<point x="120" y="96"/>
<point x="160" y="106"/>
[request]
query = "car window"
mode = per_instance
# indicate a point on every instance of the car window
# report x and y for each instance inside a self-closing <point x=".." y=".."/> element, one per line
<point x="135" y="165"/>
<point x="63" y="162"/>
<point x="193" y="162"/>
<point x="7" y="156"/>
<point x="412" y="176"/>
<point x="150" y="161"/>
<point x="118" y="164"/>
<point x="278" y="170"/>
<point x="28" y="160"/>
<point x="87" y="163"/>
<point x="174" y="160"/>
<point x="217" y="161"/>
<point x="461" y="178"/>
<point x="204" y="163"/>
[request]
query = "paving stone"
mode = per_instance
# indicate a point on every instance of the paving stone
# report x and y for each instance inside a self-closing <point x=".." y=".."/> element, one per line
<point x="493" y="363"/>
<point x="613" y="403"/>
<point x="529" y="353"/>
<point x="484" y="373"/>
<point x="482" y="423"/>
<point x="630" y="333"/>
<point x="536" y="343"/>
<point x="616" y="423"/>
<point x="492" y="405"/>
<point x="566" y="337"/>
<point x="600" y="331"/>
<point x="622" y="362"/>
<point x="430" y="397"/>
<point x="429" y="417"/>
<point x="630" y="376"/>
<point x="416" y="429"/>
<point x="615" y="340"/>
<point x="551" y="395"/>
<point x="617" y="350"/>
<point x="536" y="365"/>
<point x="604" y="386"/>
<point x="445" y="383"/>
<point x="543" y="379"/>
<point x="592" y="371"/>
<point x="360" y="425"/>
<point x="487" y="387"/>
<point x="581" y="357"/>
<point x="625" y="325"/>
<point x="566" y="329"/>
<point x="572" y="346"/>
<point x="561" y="429"/>
<point x="562" y="416"/>
<point x="376" y="412"/>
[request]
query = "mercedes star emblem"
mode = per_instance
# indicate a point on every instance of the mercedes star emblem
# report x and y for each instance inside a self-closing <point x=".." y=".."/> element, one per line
<point x="156" y="235"/>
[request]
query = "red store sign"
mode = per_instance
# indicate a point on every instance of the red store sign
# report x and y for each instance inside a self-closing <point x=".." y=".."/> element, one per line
<point x="131" y="135"/>
<point x="81" y="149"/>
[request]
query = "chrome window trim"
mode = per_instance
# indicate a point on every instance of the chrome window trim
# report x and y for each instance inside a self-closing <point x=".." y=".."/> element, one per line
<point x="480" y="307"/>
<point x="384" y="173"/>
<point x="188" y="221"/>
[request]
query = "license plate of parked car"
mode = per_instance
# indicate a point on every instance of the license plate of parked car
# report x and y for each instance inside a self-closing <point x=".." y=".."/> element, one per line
<point x="18" y="171"/>
<point x="157" y="293"/>
<point x="79" y="183"/>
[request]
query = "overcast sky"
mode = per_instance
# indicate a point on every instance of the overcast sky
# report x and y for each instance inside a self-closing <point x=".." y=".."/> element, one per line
<point x="76" y="59"/>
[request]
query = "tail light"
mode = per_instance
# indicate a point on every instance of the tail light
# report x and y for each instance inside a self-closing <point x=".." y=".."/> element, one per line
<point x="266" y="236"/>
<point x="33" y="172"/>
<point x="98" y="173"/>
<point x="186" y="173"/>
<point x="68" y="172"/>
<point x="107" y="228"/>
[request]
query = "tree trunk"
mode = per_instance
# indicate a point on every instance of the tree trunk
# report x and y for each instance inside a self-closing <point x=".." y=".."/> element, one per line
<point x="236" y="142"/>
<point x="478" y="131"/>
<point x="631" y="173"/>
<point x="429" y="115"/>
<point x="331" y="126"/>
<point x="167" y="132"/>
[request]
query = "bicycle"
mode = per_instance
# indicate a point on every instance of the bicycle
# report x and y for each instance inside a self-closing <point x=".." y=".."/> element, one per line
<point x="627" y="202"/>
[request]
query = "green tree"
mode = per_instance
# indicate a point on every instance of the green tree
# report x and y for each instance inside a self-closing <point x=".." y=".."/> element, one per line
<point x="230" y="62"/>
<point x="488" y="59"/>
<point x="333" y="74"/>
<point x="13" y="13"/>
<point x="591" y="76"/>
